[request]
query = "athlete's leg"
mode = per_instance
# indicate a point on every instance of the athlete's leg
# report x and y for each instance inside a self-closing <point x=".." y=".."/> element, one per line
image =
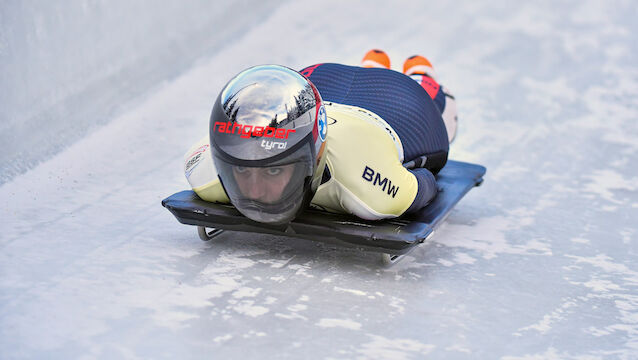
<point x="397" y="99"/>
<point x="421" y="70"/>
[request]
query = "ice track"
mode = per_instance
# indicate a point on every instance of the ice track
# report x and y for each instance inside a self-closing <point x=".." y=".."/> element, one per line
<point x="537" y="263"/>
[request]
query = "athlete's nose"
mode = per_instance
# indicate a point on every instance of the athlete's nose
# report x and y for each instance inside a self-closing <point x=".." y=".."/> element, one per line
<point x="255" y="186"/>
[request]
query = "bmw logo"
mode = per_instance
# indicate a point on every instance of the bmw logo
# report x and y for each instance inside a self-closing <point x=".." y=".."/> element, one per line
<point x="322" y="121"/>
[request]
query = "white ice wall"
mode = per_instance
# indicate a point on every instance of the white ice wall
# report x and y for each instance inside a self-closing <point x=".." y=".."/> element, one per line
<point x="68" y="66"/>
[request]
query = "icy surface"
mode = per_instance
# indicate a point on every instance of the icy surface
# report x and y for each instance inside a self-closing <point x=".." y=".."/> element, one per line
<point x="538" y="263"/>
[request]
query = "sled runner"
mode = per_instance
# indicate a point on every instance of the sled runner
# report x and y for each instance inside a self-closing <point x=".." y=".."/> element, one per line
<point x="393" y="237"/>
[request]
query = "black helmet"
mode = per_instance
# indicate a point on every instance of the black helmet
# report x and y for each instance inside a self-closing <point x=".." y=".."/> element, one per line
<point x="267" y="130"/>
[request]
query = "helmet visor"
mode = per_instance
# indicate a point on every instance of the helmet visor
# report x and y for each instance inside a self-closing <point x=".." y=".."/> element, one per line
<point x="269" y="194"/>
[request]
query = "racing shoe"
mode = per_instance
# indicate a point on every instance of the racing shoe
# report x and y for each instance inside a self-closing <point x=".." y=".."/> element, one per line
<point x="376" y="58"/>
<point x="418" y="65"/>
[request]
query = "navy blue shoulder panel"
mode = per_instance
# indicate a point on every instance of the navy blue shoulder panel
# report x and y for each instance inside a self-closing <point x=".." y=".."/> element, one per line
<point x="398" y="99"/>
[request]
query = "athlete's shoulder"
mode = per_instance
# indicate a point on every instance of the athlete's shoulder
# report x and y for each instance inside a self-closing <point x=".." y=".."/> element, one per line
<point x="363" y="123"/>
<point x="364" y="158"/>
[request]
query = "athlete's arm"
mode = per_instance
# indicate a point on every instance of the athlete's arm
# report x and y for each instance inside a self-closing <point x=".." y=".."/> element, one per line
<point x="201" y="173"/>
<point x="426" y="191"/>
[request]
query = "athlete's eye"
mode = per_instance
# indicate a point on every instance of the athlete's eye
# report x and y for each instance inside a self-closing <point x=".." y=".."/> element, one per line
<point x="241" y="169"/>
<point x="274" y="171"/>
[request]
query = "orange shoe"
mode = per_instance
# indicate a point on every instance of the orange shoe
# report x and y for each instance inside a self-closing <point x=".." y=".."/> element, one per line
<point x="376" y="59"/>
<point x="420" y="65"/>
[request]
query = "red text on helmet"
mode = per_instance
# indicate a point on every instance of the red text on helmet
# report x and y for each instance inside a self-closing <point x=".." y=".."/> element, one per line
<point x="246" y="131"/>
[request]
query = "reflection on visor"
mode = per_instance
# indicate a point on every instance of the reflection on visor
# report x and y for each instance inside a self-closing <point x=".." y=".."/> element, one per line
<point x="265" y="185"/>
<point x="270" y="193"/>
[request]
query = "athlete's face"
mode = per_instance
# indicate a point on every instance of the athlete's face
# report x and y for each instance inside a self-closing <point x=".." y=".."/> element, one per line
<point x="263" y="184"/>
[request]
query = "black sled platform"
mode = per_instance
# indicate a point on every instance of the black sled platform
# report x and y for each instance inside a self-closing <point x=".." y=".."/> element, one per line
<point x="393" y="237"/>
